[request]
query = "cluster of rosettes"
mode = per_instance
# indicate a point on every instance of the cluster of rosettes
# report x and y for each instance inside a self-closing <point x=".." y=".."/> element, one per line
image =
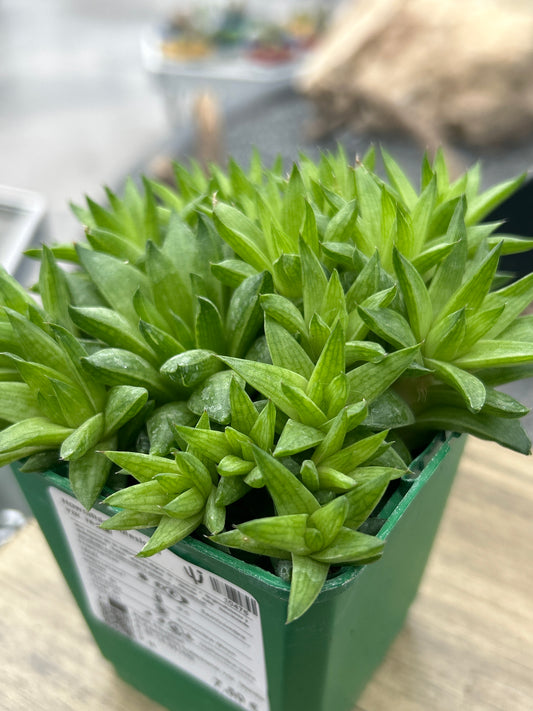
<point x="264" y="353"/>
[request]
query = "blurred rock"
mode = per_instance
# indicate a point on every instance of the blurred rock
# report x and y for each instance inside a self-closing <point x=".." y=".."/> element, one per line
<point x="440" y="70"/>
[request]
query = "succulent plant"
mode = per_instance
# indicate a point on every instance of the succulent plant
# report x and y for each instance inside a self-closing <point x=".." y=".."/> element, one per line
<point x="263" y="354"/>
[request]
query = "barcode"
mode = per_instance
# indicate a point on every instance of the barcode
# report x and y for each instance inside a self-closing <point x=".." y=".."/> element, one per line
<point x="116" y="615"/>
<point x="234" y="595"/>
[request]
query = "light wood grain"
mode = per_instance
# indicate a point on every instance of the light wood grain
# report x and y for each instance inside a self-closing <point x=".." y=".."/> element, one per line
<point x="467" y="644"/>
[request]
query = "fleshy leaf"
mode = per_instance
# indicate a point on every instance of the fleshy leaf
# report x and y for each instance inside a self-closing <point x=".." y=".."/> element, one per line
<point x="169" y="531"/>
<point x="284" y="532"/>
<point x="236" y="539"/>
<point x="290" y="496"/>
<point x="142" y="467"/>
<point x="370" y="380"/>
<point x="471" y="388"/>
<point x="88" y="474"/>
<point x="506" y="432"/>
<point x="347" y="459"/>
<point x="492" y="354"/>
<point x="350" y="547"/>
<point x="285" y="351"/>
<point x="416" y="296"/>
<point x="308" y="577"/>
<point x="297" y="437"/>
<point x="84" y="438"/>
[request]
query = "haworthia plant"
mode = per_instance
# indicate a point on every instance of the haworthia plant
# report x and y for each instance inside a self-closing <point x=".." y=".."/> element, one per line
<point x="259" y="354"/>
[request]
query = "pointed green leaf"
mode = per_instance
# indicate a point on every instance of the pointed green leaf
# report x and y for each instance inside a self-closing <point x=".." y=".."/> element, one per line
<point x="485" y="203"/>
<point x="211" y="443"/>
<point x="302" y="407"/>
<point x="333" y="305"/>
<point x="471" y="388"/>
<point x="285" y="351"/>
<point x="474" y="290"/>
<point x="389" y="325"/>
<point x="450" y="272"/>
<point x="503" y="405"/>
<point x="114" y="366"/>
<point x="191" y="368"/>
<point x="446" y="337"/>
<point x="243" y="412"/>
<point x="171" y="287"/>
<point x="245" y="315"/>
<point x="114" y="244"/>
<point x="75" y="351"/>
<point x="107" y="272"/>
<point x="54" y="290"/>
<point x="491" y="354"/>
<point x="308" y="577"/>
<point x="284" y="532"/>
<point x="84" y="438"/>
<point x="330" y="364"/>
<point x="147" y="497"/>
<point x="142" y="467"/>
<point x="389" y="411"/>
<point x="173" y="483"/>
<point x="415" y="294"/>
<point x="127" y="520"/>
<point x="185" y="505"/>
<point x="33" y="340"/>
<point x="314" y="281"/>
<point x="334" y="438"/>
<point x="366" y="351"/>
<point x="319" y="333"/>
<point x="112" y="329"/>
<point x="242" y="235"/>
<point x="347" y="459"/>
<point x="309" y="229"/>
<point x="350" y="547"/>
<point x="213" y="397"/>
<point x="234" y="466"/>
<point x="421" y="215"/>
<point x="160" y="342"/>
<point x="364" y="498"/>
<point x="263" y="430"/>
<point x="214" y="515"/>
<point x="160" y="428"/>
<point x="284" y="312"/>
<point x="515" y="297"/>
<point x="208" y="327"/>
<point x="297" y="437"/>
<point x="265" y="379"/>
<point x="169" y="531"/>
<point x="372" y="379"/>
<point x="506" y="432"/>
<point x="289" y="495"/>
<point x="232" y="272"/>
<point x="230" y="490"/>
<point x="236" y="539"/>
<point x="329" y="519"/>
<point x="399" y="180"/>
<point x="431" y="257"/>
<point x="309" y="475"/>
<point x="17" y="402"/>
<point x="88" y="475"/>
<point x="33" y="432"/>
<point x="191" y="466"/>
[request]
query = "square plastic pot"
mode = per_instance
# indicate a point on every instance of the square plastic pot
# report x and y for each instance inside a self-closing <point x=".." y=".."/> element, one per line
<point x="320" y="662"/>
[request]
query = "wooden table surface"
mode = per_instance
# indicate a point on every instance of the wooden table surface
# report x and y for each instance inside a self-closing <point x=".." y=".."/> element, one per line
<point x="467" y="644"/>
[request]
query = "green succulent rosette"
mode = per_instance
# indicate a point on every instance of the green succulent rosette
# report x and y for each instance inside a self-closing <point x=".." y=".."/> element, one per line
<point x="255" y="356"/>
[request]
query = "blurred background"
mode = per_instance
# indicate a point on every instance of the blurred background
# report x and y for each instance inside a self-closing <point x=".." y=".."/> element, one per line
<point x="94" y="91"/>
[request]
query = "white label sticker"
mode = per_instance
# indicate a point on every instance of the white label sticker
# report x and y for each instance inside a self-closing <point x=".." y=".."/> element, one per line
<point x="194" y="619"/>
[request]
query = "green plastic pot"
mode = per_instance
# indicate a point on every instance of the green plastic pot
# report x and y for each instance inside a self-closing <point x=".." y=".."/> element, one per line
<point x="318" y="663"/>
